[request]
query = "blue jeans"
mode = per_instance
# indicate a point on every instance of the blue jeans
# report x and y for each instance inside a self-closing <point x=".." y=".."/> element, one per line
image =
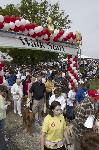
<point x="2" y="135"/>
<point x="70" y="112"/>
<point x="2" y="124"/>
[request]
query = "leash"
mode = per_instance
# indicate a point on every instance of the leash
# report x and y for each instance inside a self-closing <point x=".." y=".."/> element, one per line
<point x="27" y="103"/>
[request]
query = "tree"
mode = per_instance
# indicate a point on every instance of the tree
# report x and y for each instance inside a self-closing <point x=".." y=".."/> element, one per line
<point x="38" y="13"/>
<point x="9" y="10"/>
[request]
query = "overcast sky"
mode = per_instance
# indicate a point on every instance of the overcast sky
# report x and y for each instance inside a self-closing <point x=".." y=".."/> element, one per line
<point x="84" y="17"/>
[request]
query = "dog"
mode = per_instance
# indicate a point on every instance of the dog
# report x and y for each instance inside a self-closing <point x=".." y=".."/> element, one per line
<point x="28" y="118"/>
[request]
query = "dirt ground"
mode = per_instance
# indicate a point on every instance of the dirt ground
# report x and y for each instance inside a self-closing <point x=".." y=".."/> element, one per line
<point x="19" y="139"/>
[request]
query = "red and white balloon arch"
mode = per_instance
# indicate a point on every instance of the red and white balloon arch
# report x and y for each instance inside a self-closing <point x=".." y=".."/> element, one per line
<point x="21" y="25"/>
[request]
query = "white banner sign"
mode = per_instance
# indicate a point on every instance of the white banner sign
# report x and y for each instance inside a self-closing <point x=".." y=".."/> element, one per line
<point x="16" y="40"/>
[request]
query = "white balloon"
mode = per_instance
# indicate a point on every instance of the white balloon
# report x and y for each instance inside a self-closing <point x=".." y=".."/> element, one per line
<point x="69" y="74"/>
<point x="45" y="36"/>
<point x="27" y="21"/>
<point x="1" y="18"/>
<point x="26" y="32"/>
<point x="23" y="22"/>
<point x="71" y="65"/>
<point x="55" y="32"/>
<point x="31" y="31"/>
<point x="63" y="36"/>
<point x="11" y="25"/>
<point x="17" y="23"/>
<point x="71" y="59"/>
<point x="72" y="77"/>
<point x="41" y="38"/>
<point x="73" y="62"/>
<point x="70" y="86"/>
<point x="75" y="81"/>
<point x="1" y="73"/>
<point x="74" y="68"/>
<point x="75" y="71"/>
<point x="38" y="29"/>
<point x="6" y="26"/>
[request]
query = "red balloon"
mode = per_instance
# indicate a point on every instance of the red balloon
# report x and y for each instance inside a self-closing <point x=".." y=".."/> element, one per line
<point x="6" y="19"/>
<point x="39" y="34"/>
<point x="73" y="84"/>
<point x="16" y="29"/>
<point x="69" y="35"/>
<point x="66" y="38"/>
<point x="27" y="26"/>
<point x="60" y="34"/>
<point x="72" y="72"/>
<point x="69" y="62"/>
<point x="22" y="28"/>
<point x="75" y="59"/>
<point x="33" y="25"/>
<point x="13" y="19"/>
<point x="34" y="35"/>
<point x="47" y="39"/>
<point x="0" y="68"/>
<point x="2" y="65"/>
<point x="70" y="80"/>
<point x="1" y="79"/>
<point x="45" y="31"/>
<point x="76" y="77"/>
<point x="69" y="56"/>
<point x="73" y="36"/>
<point x="18" y="18"/>
<point x="69" y="68"/>
<point x="55" y="39"/>
<point x="30" y="26"/>
<point x="1" y="25"/>
<point x="75" y="65"/>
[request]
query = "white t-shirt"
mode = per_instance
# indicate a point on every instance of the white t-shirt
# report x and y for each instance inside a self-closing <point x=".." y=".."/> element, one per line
<point x="60" y="99"/>
<point x="71" y="97"/>
<point x="17" y="89"/>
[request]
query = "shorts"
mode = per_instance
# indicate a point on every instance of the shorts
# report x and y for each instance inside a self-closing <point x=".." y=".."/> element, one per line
<point x="38" y="105"/>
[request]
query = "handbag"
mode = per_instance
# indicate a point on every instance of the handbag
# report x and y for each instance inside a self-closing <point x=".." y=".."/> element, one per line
<point x="89" y="121"/>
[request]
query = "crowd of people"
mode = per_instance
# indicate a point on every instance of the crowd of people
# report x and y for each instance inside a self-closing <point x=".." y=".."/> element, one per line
<point x="60" y="111"/>
<point x="89" y="69"/>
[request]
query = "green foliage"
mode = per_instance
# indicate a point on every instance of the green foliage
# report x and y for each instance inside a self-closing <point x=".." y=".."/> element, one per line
<point x="27" y="56"/>
<point x="39" y="12"/>
<point x="9" y="10"/>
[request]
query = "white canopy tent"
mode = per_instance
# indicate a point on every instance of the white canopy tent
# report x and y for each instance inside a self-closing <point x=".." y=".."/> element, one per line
<point x="83" y="56"/>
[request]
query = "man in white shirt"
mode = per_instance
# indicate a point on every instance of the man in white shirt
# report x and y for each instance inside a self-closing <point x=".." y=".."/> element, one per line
<point x="70" y="104"/>
<point x="17" y="93"/>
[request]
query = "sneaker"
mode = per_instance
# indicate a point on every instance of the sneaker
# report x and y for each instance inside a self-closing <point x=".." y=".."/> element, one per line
<point x="40" y="122"/>
<point x="15" y="112"/>
<point x="20" y="114"/>
<point x="6" y="139"/>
